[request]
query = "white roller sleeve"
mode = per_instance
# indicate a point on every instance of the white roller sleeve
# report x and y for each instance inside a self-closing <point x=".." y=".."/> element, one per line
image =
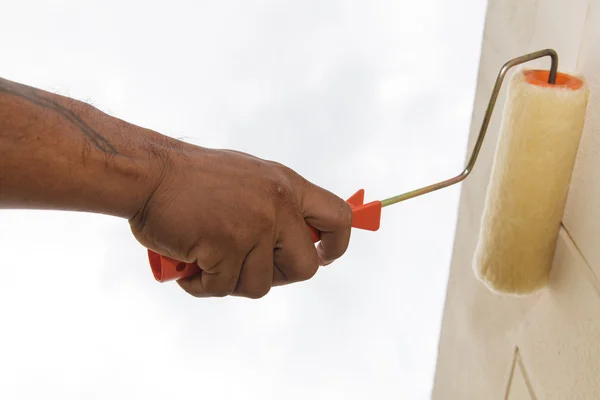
<point x="527" y="191"/>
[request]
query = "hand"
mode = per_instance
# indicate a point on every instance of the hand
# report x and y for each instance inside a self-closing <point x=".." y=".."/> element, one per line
<point x="242" y="219"/>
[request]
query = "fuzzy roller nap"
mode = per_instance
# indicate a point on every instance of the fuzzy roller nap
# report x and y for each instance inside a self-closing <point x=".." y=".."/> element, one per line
<point x="530" y="178"/>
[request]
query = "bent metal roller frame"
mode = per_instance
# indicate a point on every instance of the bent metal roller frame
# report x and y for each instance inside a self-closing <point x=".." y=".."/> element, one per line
<point x="367" y="216"/>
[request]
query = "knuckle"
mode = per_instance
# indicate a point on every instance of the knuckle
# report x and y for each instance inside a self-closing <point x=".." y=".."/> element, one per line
<point x="238" y="234"/>
<point x="259" y="291"/>
<point x="307" y="272"/>
<point x="281" y="185"/>
<point x="220" y="288"/>
<point x="280" y="190"/>
<point x="223" y="291"/>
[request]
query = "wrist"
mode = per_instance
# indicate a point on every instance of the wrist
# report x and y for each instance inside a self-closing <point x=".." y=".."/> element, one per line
<point x="144" y="170"/>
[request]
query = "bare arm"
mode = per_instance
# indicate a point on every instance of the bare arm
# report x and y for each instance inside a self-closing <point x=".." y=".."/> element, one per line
<point x="60" y="153"/>
<point x="241" y="218"/>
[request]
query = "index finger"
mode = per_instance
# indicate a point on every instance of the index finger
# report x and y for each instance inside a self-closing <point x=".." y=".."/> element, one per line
<point x="332" y="216"/>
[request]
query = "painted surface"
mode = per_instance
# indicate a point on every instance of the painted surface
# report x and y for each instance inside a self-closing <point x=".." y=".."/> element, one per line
<point x="557" y="331"/>
<point x="582" y="215"/>
<point x="519" y="385"/>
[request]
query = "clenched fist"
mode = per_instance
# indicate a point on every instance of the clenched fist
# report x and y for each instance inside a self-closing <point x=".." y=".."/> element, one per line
<point x="242" y="219"/>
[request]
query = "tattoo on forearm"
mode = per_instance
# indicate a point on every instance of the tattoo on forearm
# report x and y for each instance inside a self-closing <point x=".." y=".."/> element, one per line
<point x="91" y="135"/>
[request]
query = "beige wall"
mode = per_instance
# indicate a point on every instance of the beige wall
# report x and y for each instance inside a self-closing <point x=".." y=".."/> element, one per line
<point x="545" y="346"/>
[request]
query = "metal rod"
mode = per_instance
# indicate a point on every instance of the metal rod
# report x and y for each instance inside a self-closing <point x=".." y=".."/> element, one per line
<point x="484" y="125"/>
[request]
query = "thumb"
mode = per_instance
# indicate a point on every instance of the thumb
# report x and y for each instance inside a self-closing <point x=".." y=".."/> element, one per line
<point x="332" y="216"/>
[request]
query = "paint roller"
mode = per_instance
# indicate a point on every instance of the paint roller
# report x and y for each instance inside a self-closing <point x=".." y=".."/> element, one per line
<point x="531" y="172"/>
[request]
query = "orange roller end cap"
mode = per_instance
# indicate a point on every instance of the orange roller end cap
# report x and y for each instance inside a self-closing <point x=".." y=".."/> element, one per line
<point x="540" y="77"/>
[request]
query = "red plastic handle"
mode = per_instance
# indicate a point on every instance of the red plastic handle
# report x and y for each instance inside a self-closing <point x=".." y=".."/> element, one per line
<point x="364" y="216"/>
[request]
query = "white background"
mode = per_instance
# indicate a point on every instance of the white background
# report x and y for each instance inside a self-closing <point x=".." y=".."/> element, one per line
<point x="351" y="94"/>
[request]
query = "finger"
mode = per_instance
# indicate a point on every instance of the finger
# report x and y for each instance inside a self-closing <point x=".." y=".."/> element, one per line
<point x="222" y="281"/>
<point x="295" y="255"/>
<point x="279" y="277"/>
<point x="333" y="217"/>
<point x="219" y="282"/>
<point x="218" y="276"/>
<point x="256" y="275"/>
<point x="193" y="285"/>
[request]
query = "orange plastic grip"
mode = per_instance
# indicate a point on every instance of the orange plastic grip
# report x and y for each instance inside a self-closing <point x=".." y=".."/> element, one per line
<point x="364" y="216"/>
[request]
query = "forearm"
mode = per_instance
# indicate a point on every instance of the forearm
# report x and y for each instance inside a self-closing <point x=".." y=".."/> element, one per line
<point x="60" y="153"/>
